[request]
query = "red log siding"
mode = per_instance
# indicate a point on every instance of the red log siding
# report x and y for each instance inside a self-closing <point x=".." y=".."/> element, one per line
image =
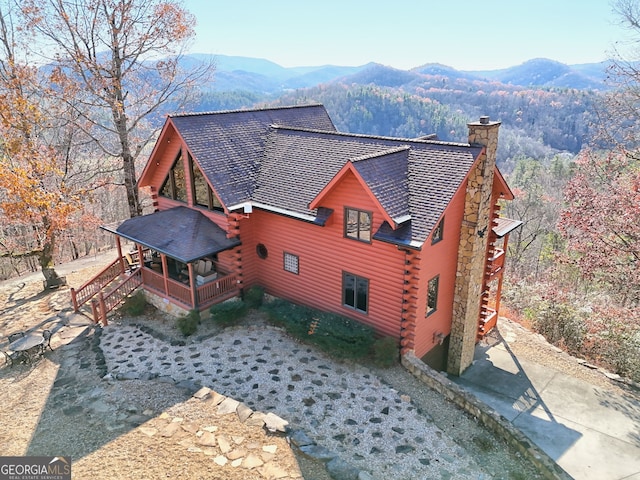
<point x="439" y="259"/>
<point x="165" y="155"/>
<point x="323" y="256"/>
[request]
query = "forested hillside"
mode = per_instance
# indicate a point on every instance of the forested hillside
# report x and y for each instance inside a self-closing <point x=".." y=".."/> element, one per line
<point x="537" y="122"/>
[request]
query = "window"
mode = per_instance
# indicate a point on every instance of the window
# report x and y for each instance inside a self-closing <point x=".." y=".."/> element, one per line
<point x="432" y="295"/>
<point x="437" y="232"/>
<point x="202" y="193"/>
<point x="357" y="224"/>
<point x="291" y="263"/>
<point x="262" y="251"/>
<point x="355" y="292"/>
<point x="175" y="185"/>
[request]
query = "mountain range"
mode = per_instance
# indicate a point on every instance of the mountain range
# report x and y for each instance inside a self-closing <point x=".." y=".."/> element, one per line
<point x="235" y="73"/>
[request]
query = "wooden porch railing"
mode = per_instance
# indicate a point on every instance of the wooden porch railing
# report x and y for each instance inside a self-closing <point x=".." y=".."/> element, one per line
<point x="489" y="319"/>
<point x="105" y="303"/>
<point x="213" y="292"/>
<point x="89" y="289"/>
<point x="496" y="262"/>
<point x="180" y="294"/>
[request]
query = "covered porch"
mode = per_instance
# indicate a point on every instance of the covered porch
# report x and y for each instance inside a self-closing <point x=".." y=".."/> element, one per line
<point x="176" y="255"/>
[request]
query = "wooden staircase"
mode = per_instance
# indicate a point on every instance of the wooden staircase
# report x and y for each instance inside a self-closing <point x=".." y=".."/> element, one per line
<point x="107" y="289"/>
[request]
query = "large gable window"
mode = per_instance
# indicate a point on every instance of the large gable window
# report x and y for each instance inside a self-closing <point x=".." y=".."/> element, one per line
<point x="203" y="196"/>
<point x="175" y="185"/>
<point x="438" y="232"/>
<point x="355" y="292"/>
<point x="357" y="224"/>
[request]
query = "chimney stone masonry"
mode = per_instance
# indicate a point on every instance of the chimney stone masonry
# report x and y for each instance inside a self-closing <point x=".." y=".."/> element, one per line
<point x="473" y="247"/>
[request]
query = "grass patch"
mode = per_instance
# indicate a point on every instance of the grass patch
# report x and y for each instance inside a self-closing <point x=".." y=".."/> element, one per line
<point x="134" y="305"/>
<point x="254" y="296"/>
<point x="338" y="336"/>
<point x="385" y="352"/>
<point x="188" y="324"/>
<point x="228" y="313"/>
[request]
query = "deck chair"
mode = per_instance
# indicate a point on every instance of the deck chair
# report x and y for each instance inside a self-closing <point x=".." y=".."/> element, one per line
<point x="131" y="262"/>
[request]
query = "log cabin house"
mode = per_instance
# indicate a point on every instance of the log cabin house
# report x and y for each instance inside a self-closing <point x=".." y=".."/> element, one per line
<point x="400" y="234"/>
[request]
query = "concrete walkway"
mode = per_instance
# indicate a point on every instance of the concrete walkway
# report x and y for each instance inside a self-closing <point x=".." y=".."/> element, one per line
<point x="591" y="432"/>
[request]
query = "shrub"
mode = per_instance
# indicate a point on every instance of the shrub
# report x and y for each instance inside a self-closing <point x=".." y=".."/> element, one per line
<point x="229" y="313"/>
<point x="338" y="336"/>
<point x="134" y="305"/>
<point x="253" y="297"/>
<point x="385" y="351"/>
<point x="560" y="324"/>
<point x="188" y="324"/>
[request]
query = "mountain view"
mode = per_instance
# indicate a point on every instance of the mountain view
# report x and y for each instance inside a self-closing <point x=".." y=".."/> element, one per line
<point x="546" y="107"/>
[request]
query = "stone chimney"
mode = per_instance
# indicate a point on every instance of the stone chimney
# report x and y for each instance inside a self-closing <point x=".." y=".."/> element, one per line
<point x="472" y="251"/>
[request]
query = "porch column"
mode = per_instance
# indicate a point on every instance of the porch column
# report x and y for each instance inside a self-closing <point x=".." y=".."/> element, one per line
<point x="119" y="246"/>
<point x="192" y="284"/>
<point x="165" y="272"/>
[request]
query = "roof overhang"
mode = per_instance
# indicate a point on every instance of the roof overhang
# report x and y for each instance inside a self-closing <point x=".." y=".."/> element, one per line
<point x="180" y="233"/>
<point x="503" y="226"/>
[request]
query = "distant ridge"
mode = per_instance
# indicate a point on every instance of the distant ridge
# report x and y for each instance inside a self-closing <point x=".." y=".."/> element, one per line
<point x="266" y="77"/>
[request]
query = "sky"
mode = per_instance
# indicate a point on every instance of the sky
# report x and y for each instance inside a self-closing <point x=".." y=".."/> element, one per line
<point x="464" y="34"/>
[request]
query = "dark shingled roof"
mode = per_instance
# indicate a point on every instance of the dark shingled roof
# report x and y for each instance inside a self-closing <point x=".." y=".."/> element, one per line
<point x="181" y="233"/>
<point x="228" y="145"/>
<point x="281" y="159"/>
<point x="408" y="177"/>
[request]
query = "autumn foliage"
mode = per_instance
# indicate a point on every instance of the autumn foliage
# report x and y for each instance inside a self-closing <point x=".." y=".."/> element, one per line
<point x="601" y="222"/>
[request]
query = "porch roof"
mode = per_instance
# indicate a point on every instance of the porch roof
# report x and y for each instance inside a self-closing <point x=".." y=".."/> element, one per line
<point x="181" y="233"/>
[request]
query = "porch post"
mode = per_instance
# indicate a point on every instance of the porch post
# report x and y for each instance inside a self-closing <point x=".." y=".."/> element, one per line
<point x="140" y="256"/>
<point x="192" y="284"/>
<point x="165" y="272"/>
<point x="120" y="258"/>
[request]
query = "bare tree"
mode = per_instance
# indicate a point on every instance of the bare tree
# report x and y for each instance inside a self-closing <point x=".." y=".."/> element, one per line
<point x="120" y="62"/>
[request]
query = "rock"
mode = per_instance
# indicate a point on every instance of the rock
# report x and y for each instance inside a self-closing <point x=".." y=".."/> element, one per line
<point x="203" y="393"/>
<point x="362" y="475"/>
<point x="404" y="449"/>
<point x="208" y="439"/>
<point x="228" y="405"/>
<point x="274" y="423"/>
<point x="299" y="439"/>
<point x="317" y="452"/>
<point x="341" y="470"/>
<point x="224" y="444"/>
<point x="170" y="429"/>
<point x="190" y="427"/>
<point x="272" y="471"/>
<point x="236" y="454"/>
<point x="221" y="460"/>
<point x="270" y="448"/>
<point x="252" y="461"/>
<point x="256" y="419"/>
<point x="148" y="431"/>
<point x="243" y="412"/>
